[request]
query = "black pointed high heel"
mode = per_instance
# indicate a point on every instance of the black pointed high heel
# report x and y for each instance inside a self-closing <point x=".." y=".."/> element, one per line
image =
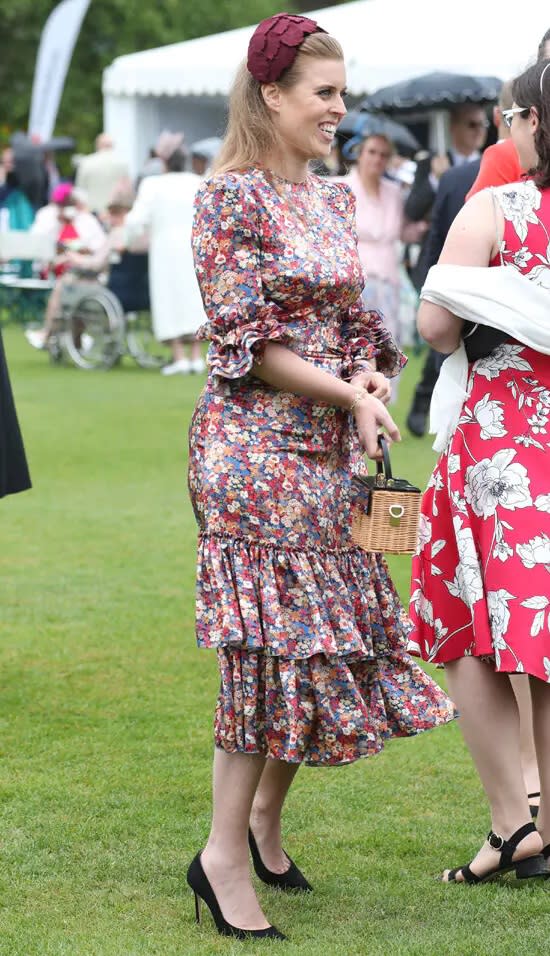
<point x="292" y="879"/>
<point x="533" y="807"/>
<point x="199" y="883"/>
<point x="526" y="869"/>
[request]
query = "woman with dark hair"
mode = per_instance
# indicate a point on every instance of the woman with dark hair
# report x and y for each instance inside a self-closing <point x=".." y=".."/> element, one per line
<point x="309" y="630"/>
<point x="480" y="578"/>
<point x="163" y="210"/>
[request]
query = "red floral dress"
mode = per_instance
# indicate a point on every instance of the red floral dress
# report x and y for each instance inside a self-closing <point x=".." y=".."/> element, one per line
<point x="480" y="578"/>
<point x="309" y="630"/>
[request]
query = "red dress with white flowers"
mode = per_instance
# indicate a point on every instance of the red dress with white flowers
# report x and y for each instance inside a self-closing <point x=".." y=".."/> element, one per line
<point x="480" y="580"/>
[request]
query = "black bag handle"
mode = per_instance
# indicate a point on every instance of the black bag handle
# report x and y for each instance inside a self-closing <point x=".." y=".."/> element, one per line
<point x="384" y="467"/>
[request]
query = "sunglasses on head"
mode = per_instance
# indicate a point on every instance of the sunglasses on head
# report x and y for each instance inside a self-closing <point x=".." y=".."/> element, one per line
<point x="508" y="115"/>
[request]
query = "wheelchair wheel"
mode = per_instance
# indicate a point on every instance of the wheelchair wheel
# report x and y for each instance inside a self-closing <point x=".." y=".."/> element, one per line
<point x="141" y="343"/>
<point x="94" y="329"/>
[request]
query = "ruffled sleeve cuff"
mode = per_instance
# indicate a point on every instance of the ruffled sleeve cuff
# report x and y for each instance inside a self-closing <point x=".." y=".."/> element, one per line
<point x="368" y="339"/>
<point x="237" y="341"/>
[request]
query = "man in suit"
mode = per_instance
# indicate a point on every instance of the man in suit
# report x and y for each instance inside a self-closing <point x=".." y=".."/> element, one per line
<point x="99" y="174"/>
<point x="451" y="195"/>
<point x="468" y="130"/>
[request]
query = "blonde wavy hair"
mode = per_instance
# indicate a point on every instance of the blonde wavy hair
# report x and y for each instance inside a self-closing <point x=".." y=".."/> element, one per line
<point x="250" y="131"/>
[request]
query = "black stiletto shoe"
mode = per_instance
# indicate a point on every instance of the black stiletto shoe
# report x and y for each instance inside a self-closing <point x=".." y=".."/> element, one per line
<point x="526" y="869"/>
<point x="546" y="852"/>
<point x="533" y="807"/>
<point x="292" y="879"/>
<point x="198" y="881"/>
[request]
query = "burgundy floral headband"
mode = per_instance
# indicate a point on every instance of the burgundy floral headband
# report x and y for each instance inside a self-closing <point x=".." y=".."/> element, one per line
<point x="275" y="43"/>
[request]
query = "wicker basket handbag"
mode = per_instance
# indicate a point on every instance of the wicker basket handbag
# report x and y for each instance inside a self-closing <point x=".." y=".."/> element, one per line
<point x="386" y="510"/>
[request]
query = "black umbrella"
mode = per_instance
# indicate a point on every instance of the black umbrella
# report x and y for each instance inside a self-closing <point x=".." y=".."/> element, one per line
<point x="358" y="124"/>
<point x="437" y="91"/>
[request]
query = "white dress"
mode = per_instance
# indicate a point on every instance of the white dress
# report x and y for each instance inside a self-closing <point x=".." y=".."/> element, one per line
<point x="164" y="208"/>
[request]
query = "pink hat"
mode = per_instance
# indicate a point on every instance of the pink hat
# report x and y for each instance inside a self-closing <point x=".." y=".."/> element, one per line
<point x="61" y="193"/>
<point x="167" y="144"/>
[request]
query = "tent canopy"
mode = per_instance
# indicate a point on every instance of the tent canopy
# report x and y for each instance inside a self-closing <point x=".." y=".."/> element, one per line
<point x="384" y="41"/>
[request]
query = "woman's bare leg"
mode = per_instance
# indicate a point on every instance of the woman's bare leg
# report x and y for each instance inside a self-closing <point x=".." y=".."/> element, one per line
<point x="540" y="692"/>
<point x="225" y="857"/>
<point x="489" y="721"/>
<point x="177" y="349"/>
<point x="265" y="818"/>
<point x="529" y="763"/>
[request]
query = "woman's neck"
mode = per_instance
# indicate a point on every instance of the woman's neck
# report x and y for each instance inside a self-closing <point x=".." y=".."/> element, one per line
<point x="371" y="184"/>
<point x="287" y="166"/>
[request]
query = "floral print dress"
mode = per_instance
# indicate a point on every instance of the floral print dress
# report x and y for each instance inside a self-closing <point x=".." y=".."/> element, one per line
<point x="309" y="631"/>
<point x="480" y="581"/>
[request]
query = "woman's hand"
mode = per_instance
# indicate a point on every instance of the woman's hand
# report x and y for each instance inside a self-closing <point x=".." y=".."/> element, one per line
<point x="370" y="416"/>
<point x="374" y="382"/>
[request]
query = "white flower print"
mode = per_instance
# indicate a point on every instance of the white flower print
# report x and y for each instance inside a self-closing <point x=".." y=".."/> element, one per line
<point x="496" y="482"/>
<point x="538" y="423"/>
<point x="539" y="275"/>
<point x="527" y="441"/>
<point x="489" y="415"/>
<point x="537" y="603"/>
<point x="543" y="397"/>
<point x="546" y="662"/>
<point x="518" y="204"/>
<point x="468" y="582"/>
<point x="458" y="502"/>
<point x="499" y="614"/>
<point x="504" y="356"/>
<point x="535" y="551"/>
<point x="424" y="532"/>
<point x="502" y="550"/>
<point x="542" y="503"/>
<point x="522" y="257"/>
<point x="453" y="464"/>
<point x="423" y="607"/>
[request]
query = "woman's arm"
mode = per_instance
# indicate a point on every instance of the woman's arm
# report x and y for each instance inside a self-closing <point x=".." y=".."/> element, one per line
<point x="471" y="241"/>
<point x="283" y="369"/>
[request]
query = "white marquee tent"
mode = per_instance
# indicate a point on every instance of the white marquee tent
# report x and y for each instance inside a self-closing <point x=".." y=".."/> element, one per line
<point x="185" y="85"/>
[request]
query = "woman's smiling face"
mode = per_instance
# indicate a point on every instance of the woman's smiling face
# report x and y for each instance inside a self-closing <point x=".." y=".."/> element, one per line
<point x="306" y="115"/>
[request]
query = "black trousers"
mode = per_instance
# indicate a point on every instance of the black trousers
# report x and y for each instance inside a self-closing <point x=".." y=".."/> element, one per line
<point x="430" y="373"/>
<point x="14" y="473"/>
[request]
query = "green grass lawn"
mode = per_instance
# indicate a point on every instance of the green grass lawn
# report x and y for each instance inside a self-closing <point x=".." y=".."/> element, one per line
<point x="106" y="719"/>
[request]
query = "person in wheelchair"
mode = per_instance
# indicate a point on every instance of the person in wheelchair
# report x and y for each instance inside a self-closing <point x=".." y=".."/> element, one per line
<point x="127" y="274"/>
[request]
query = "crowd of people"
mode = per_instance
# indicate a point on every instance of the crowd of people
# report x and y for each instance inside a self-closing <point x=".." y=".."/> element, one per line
<point x="313" y="644"/>
<point x="137" y="241"/>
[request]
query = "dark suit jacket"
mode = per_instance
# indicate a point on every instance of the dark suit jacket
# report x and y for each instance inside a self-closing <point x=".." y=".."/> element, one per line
<point x="421" y="197"/>
<point x="449" y="200"/>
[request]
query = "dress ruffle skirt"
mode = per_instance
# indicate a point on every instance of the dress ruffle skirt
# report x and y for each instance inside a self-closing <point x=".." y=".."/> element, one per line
<point x="322" y="679"/>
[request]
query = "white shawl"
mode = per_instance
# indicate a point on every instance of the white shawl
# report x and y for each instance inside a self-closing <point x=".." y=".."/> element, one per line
<point x="500" y="297"/>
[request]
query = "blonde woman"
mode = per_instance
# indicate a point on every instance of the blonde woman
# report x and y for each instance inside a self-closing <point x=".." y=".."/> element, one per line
<point x="308" y="630"/>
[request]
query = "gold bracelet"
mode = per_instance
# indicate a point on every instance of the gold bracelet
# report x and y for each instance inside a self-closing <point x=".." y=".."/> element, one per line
<point x="358" y="397"/>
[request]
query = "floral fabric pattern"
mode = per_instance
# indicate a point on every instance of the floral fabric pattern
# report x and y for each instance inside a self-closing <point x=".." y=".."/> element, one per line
<point x="309" y="630"/>
<point x="480" y="575"/>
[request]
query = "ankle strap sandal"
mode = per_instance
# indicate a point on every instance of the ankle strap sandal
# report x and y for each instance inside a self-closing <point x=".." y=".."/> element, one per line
<point x="530" y="867"/>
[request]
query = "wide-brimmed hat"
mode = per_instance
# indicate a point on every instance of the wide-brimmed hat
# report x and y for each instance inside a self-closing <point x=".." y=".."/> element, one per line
<point x="167" y="144"/>
<point x="207" y="148"/>
<point x="122" y="195"/>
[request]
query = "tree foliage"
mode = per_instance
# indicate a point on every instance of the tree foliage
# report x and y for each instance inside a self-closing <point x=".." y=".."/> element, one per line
<point x="111" y="28"/>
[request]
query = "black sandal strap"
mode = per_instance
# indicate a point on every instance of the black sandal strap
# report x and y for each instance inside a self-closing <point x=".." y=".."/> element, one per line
<point x="530" y="795"/>
<point x="469" y="876"/>
<point x="508" y="847"/>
